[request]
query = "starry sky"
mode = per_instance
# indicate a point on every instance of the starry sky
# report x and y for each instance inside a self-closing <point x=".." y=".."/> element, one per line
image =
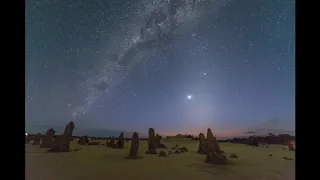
<point x="228" y="65"/>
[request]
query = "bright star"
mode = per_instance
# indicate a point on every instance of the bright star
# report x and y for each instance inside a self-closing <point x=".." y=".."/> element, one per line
<point x="189" y="96"/>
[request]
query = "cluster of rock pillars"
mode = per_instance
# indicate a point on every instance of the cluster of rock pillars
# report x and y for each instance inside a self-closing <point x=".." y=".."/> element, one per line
<point x="208" y="146"/>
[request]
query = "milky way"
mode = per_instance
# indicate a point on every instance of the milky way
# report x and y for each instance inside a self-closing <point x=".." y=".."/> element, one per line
<point x="163" y="21"/>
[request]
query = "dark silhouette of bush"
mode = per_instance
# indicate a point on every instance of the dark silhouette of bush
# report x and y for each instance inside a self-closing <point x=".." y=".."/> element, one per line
<point x="283" y="139"/>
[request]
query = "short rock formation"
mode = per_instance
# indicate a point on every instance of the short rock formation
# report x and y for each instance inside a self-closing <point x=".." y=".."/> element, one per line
<point x="120" y="142"/>
<point x="157" y="141"/>
<point x="111" y="143"/>
<point x="62" y="143"/>
<point x="162" y="154"/>
<point x="48" y="139"/>
<point x="233" y="156"/>
<point x="151" y="142"/>
<point x="134" y="149"/>
<point x="214" y="153"/>
<point x="202" y="144"/>
<point x="162" y="146"/>
<point x="37" y="139"/>
<point x="183" y="149"/>
<point x="286" y="158"/>
<point x="83" y="140"/>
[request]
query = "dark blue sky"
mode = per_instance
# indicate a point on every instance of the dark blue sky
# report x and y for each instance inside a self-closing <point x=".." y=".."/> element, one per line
<point x="236" y="59"/>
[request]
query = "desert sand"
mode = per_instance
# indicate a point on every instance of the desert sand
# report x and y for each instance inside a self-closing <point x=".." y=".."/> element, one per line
<point x="101" y="163"/>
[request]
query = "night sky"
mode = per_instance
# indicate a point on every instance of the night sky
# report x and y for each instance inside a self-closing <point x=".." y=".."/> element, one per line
<point x="228" y="65"/>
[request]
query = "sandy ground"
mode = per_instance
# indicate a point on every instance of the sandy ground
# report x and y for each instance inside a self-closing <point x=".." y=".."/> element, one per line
<point x="290" y="174"/>
<point x="100" y="163"/>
